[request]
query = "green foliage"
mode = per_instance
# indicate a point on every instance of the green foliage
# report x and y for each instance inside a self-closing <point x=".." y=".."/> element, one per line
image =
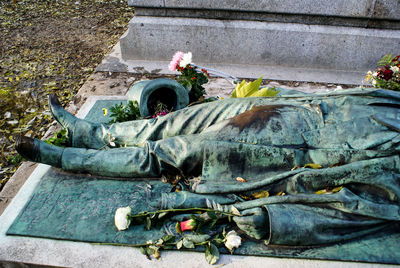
<point x="123" y="113"/>
<point x="193" y="80"/>
<point x="15" y="159"/>
<point x="381" y="83"/>
<point x="212" y="253"/>
<point x="252" y="89"/>
<point x="183" y="240"/>
<point x="386" y="60"/>
<point x="60" y="138"/>
<point x="387" y="75"/>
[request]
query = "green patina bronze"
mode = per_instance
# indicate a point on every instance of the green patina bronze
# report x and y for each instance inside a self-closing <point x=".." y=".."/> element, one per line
<point x="352" y="134"/>
<point x="149" y="93"/>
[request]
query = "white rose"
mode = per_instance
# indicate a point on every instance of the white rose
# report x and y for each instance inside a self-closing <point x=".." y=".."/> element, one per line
<point x="395" y="69"/>
<point x="232" y="241"/>
<point x="186" y="59"/>
<point x="121" y="219"/>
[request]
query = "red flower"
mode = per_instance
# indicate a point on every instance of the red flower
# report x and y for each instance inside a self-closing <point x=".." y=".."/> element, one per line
<point x="396" y="58"/>
<point x="188" y="225"/>
<point x="387" y="74"/>
<point x="193" y="78"/>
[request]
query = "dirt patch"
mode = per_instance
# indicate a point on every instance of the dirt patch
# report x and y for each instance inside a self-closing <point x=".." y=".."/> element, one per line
<point x="48" y="47"/>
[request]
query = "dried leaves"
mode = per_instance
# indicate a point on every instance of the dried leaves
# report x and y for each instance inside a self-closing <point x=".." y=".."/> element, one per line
<point x="48" y="47"/>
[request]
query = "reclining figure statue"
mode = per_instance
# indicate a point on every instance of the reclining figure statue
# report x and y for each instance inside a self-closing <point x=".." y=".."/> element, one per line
<point x="352" y="134"/>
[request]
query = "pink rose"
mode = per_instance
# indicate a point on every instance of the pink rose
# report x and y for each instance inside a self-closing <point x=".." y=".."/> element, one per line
<point x="188" y="225"/>
<point x="175" y="61"/>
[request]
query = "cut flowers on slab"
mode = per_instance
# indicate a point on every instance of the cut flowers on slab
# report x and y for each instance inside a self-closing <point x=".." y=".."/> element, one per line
<point x="387" y="75"/>
<point x="191" y="77"/>
<point x="201" y="225"/>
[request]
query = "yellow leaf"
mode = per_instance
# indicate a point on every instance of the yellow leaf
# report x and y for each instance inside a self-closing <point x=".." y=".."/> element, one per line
<point x="337" y="189"/>
<point x="329" y="191"/>
<point x="245" y="89"/>
<point x="252" y="89"/>
<point x="261" y="194"/>
<point x="281" y="193"/>
<point x="321" y="191"/>
<point x="10" y="79"/>
<point x="104" y="111"/>
<point x="295" y="167"/>
<point x="265" y="92"/>
<point x="313" y="166"/>
<point x="235" y="211"/>
<point x="245" y="197"/>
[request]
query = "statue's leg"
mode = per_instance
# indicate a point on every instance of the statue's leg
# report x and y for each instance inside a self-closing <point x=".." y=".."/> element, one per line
<point x="176" y="155"/>
<point x="191" y="120"/>
<point x="81" y="133"/>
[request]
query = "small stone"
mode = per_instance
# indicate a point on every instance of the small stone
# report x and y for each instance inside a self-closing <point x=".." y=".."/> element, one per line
<point x="273" y="84"/>
<point x="12" y="122"/>
<point x="130" y="80"/>
<point x="115" y="84"/>
<point x="7" y="115"/>
<point x="296" y="84"/>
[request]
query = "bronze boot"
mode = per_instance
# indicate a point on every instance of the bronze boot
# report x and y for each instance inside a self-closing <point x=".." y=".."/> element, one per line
<point x="81" y="133"/>
<point x="39" y="151"/>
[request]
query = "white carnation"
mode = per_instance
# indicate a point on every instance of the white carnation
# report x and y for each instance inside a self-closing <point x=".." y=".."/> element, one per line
<point x="121" y="219"/>
<point x="232" y="241"/>
<point x="186" y="59"/>
<point x="395" y="69"/>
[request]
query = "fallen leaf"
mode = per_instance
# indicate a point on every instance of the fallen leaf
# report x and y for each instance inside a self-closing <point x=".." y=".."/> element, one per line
<point x="241" y="179"/>
<point x="261" y="194"/>
<point x="329" y="191"/>
<point x="313" y="166"/>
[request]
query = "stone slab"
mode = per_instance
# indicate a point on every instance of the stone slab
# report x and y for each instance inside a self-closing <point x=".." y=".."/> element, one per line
<point x="270" y="17"/>
<point x="15" y="251"/>
<point x="382" y="9"/>
<point x="114" y="62"/>
<point x="258" y="43"/>
<point x="14" y="184"/>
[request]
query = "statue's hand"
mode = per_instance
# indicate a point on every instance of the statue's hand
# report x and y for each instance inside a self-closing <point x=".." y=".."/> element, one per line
<point x="254" y="222"/>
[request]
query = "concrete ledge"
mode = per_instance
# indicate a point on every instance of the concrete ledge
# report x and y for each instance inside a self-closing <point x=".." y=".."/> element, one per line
<point x="287" y="45"/>
<point x="114" y="63"/>
<point x="269" y="17"/>
<point x="378" y="9"/>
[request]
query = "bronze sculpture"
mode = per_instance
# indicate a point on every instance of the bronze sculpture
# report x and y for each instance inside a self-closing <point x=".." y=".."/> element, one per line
<point x="353" y="135"/>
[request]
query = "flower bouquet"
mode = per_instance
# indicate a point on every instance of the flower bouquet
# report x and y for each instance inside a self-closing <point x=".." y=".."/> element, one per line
<point x="388" y="74"/>
<point x="201" y="222"/>
<point x="191" y="78"/>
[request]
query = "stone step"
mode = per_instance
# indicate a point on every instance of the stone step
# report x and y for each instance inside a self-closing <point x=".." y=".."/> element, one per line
<point x="359" y="13"/>
<point x="290" y="46"/>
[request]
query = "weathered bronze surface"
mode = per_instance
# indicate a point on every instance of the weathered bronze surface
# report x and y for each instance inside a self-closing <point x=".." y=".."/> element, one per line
<point x="352" y="134"/>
